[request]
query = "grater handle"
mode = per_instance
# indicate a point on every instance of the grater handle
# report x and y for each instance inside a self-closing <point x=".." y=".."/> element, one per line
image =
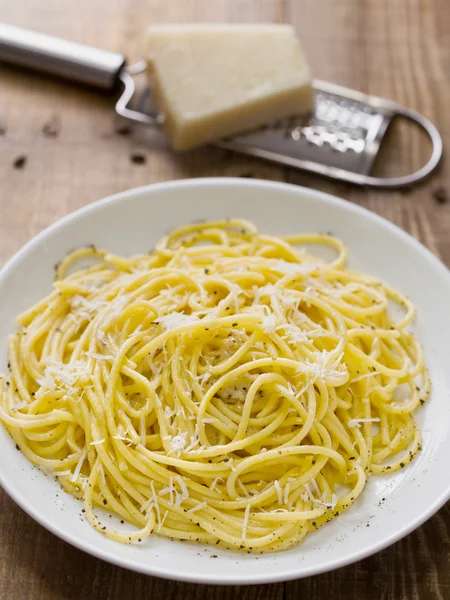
<point x="77" y="62"/>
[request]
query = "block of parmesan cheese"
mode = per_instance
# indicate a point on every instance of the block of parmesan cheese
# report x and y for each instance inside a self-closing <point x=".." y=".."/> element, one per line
<point x="214" y="80"/>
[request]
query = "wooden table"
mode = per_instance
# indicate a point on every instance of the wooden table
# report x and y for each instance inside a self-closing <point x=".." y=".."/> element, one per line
<point x="398" y="49"/>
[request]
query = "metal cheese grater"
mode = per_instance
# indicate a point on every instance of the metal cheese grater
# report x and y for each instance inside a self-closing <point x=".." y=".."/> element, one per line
<point x="341" y="139"/>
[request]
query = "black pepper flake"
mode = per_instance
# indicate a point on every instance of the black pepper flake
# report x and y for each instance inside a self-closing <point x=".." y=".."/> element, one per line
<point x="103" y="528"/>
<point x="234" y="325"/>
<point x="83" y="510"/>
<point x="17" y="447"/>
<point x="213" y="556"/>
<point x="122" y="522"/>
<point x="105" y="502"/>
<point x="8" y="383"/>
<point x="139" y="540"/>
<point x="123" y="129"/>
<point x="138" y="158"/>
<point x="52" y="128"/>
<point x="206" y="271"/>
<point x="402" y="464"/>
<point x="441" y="195"/>
<point x="20" y="162"/>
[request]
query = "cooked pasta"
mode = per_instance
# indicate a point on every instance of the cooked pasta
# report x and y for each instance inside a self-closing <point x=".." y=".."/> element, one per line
<point x="228" y="387"/>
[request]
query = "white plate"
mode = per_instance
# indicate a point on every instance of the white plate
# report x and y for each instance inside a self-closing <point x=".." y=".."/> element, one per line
<point x="131" y="222"/>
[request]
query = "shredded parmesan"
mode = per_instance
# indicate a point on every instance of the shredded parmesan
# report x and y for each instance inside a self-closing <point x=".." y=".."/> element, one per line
<point x="175" y="319"/>
<point x="98" y="356"/>
<point x="214" y="483"/>
<point x="155" y="500"/>
<point x="357" y="422"/>
<point x="245" y="522"/>
<point x="197" y="507"/>
<point x="242" y="487"/>
<point x="68" y="374"/>
<point x="288" y="268"/>
<point x="79" y="465"/>
<point x="162" y="522"/>
<point x="269" y="323"/>
<point x="278" y="489"/>
<point x="178" y="442"/>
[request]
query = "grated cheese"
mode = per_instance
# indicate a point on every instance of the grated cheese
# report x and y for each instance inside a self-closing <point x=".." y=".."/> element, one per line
<point x="333" y="502"/>
<point x="79" y="465"/>
<point x="184" y="491"/>
<point x="269" y="323"/>
<point x="98" y="356"/>
<point x="162" y="522"/>
<point x="278" y="489"/>
<point x="242" y="487"/>
<point x="168" y="412"/>
<point x="175" y="319"/>
<point x="148" y="504"/>
<point x="214" y="483"/>
<point x="20" y="405"/>
<point x="245" y="522"/>
<point x="155" y="500"/>
<point x="357" y="422"/>
<point x="288" y="268"/>
<point x="178" y="442"/>
<point x="97" y="442"/>
<point x="199" y="506"/>
<point x="66" y="373"/>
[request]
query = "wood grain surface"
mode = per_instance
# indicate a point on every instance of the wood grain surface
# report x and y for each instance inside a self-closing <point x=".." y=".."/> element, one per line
<point x="61" y="147"/>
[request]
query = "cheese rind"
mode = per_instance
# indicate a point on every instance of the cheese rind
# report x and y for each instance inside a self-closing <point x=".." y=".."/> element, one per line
<point x="211" y="81"/>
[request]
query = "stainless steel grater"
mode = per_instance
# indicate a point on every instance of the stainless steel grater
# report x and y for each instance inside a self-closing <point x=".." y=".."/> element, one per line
<point x="341" y="139"/>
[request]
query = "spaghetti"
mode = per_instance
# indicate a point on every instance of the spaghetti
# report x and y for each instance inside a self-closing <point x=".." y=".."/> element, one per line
<point x="228" y="388"/>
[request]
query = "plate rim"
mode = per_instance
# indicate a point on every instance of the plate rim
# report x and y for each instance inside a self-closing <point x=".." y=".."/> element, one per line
<point x="285" y="574"/>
